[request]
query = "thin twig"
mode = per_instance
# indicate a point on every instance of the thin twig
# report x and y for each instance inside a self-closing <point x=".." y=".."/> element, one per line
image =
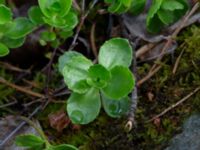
<point x="83" y="6"/>
<point x="21" y="89"/>
<point x="66" y="92"/>
<point x="82" y="20"/>
<point x="13" y="68"/>
<point x="40" y="100"/>
<point x="134" y="95"/>
<point x="177" y="62"/>
<point x="8" y="104"/>
<point x="32" y="84"/>
<point x="144" y="49"/>
<point x="76" y="6"/>
<point x="48" y="67"/>
<point x="92" y="41"/>
<point x="175" y="105"/>
<point x="148" y="76"/>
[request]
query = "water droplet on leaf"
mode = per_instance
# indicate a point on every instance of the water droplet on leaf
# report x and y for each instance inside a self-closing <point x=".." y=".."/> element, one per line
<point x="114" y="108"/>
<point x="77" y="116"/>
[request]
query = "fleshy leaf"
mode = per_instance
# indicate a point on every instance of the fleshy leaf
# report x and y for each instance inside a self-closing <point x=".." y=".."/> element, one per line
<point x="48" y="36"/>
<point x="5" y="14"/>
<point x="167" y="17"/>
<point x="116" y="108"/>
<point x="171" y="5"/>
<point x="3" y="50"/>
<point x="64" y="34"/>
<point x="29" y="141"/>
<point x="84" y="108"/>
<point x="2" y="2"/>
<point x="35" y="15"/>
<point x="114" y="7"/>
<point x="137" y="6"/>
<point x="98" y="76"/>
<point x="152" y="21"/>
<point x="52" y="8"/>
<point x="65" y="58"/>
<point x="118" y="6"/>
<point x="4" y="28"/>
<point x="121" y="83"/>
<point x="69" y="21"/>
<point x="153" y="10"/>
<point x="21" y="27"/>
<point x="75" y="73"/>
<point x="13" y="43"/>
<point x="56" y="21"/>
<point x="114" y="52"/>
<point x="126" y="3"/>
<point x="63" y="147"/>
<point x="155" y="22"/>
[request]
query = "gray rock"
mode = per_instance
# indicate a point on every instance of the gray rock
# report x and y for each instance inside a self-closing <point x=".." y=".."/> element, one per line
<point x="189" y="139"/>
<point x="7" y="125"/>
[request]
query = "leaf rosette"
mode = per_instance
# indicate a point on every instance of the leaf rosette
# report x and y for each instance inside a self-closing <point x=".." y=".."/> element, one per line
<point x="110" y="81"/>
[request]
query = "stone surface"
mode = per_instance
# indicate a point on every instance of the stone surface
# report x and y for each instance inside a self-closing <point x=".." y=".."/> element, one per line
<point x="189" y="139"/>
<point x="7" y="125"/>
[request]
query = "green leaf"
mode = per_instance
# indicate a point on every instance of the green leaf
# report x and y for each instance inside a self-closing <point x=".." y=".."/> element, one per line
<point x="35" y="15"/>
<point x="124" y="6"/>
<point x="63" y="147"/>
<point x="150" y="22"/>
<point x="5" y="14"/>
<point x="69" y="21"/>
<point x="121" y="83"/>
<point x="52" y="8"/>
<point x="118" y="6"/>
<point x="48" y="36"/>
<point x="39" y="147"/>
<point x="3" y="50"/>
<point x="108" y="1"/>
<point x="4" y="28"/>
<point x="171" y="5"/>
<point x="114" y="52"/>
<point x="29" y="141"/>
<point x="126" y="3"/>
<point x="13" y="43"/>
<point x="137" y="6"/>
<point x="21" y="27"/>
<point x="155" y="22"/>
<point x="116" y="108"/>
<point x="65" y="58"/>
<point x="167" y="17"/>
<point x="64" y="34"/>
<point x="2" y="2"/>
<point x="56" y="21"/>
<point x="179" y="13"/>
<point x="75" y="73"/>
<point x="98" y="76"/>
<point x="114" y="7"/>
<point x="84" y="108"/>
<point x="153" y="9"/>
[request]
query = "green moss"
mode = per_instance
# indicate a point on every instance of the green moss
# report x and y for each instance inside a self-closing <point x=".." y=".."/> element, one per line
<point x="5" y="91"/>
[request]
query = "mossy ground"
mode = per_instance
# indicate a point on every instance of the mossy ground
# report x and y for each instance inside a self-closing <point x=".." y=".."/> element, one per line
<point x="165" y="88"/>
